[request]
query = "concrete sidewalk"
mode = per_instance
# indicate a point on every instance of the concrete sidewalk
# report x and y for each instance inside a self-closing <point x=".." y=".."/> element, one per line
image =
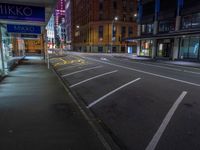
<point x="36" y="113"/>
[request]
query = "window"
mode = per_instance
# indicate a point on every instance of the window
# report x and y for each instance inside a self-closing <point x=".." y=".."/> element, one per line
<point x="191" y="21"/>
<point x="100" y="32"/>
<point x="166" y="26"/>
<point x="131" y="6"/>
<point x="114" y="4"/>
<point x="147" y="28"/>
<point x="101" y="5"/>
<point x="123" y="32"/>
<point x="189" y="48"/>
<point x="130" y="31"/>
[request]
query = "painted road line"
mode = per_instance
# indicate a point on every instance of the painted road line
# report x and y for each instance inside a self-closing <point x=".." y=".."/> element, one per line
<point x="72" y="73"/>
<point x="112" y="92"/>
<point x="162" y="67"/>
<point x="153" y="143"/>
<point x="68" y="67"/>
<point x="192" y="72"/>
<point x="149" y="73"/>
<point x="98" y="76"/>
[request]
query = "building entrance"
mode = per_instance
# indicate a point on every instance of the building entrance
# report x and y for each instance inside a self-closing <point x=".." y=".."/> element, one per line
<point x="165" y="47"/>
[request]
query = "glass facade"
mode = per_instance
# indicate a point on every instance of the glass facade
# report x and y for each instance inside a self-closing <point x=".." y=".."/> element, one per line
<point x="166" y="26"/>
<point x="191" y="21"/>
<point x="189" y="48"/>
<point x="6" y="50"/>
<point x="147" y="28"/>
<point x="146" y="48"/>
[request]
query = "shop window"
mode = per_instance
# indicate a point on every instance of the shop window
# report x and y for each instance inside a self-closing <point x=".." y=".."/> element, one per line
<point x="189" y="48"/>
<point x="146" y="48"/>
<point x="193" y="48"/>
<point x="100" y="49"/>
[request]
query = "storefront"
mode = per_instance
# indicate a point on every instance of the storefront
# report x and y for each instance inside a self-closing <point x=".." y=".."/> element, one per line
<point x="5" y="49"/>
<point x="189" y="48"/>
<point x="165" y="48"/>
<point x="146" y="47"/>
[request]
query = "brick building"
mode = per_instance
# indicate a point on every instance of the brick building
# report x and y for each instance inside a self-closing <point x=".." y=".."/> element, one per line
<point x="102" y="25"/>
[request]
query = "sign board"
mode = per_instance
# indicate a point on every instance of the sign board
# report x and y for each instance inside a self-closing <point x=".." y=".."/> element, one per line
<point x="29" y="36"/>
<point x="23" y="29"/>
<point x="22" y="12"/>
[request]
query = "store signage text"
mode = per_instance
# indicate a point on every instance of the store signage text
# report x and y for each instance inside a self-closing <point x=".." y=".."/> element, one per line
<point x="22" y="12"/>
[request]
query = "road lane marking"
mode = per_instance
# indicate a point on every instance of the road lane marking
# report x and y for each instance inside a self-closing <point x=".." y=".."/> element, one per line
<point x="112" y="92"/>
<point x="192" y="72"/>
<point x="163" y="67"/>
<point x="98" y="76"/>
<point x="68" y="67"/>
<point x="149" y="73"/>
<point x="153" y="143"/>
<point x="82" y="71"/>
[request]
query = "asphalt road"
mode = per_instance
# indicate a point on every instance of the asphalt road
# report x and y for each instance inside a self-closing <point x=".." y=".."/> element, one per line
<point x="143" y="105"/>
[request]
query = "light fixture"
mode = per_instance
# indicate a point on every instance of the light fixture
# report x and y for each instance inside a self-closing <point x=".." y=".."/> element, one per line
<point x="116" y="18"/>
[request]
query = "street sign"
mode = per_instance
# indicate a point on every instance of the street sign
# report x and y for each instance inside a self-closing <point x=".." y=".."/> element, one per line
<point x="23" y="29"/>
<point x="22" y="12"/>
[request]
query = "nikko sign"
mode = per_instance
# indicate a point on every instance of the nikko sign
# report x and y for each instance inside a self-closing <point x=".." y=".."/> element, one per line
<point x="23" y="29"/>
<point x="22" y="12"/>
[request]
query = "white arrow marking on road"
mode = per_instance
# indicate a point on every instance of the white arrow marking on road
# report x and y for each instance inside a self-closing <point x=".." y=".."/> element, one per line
<point x="152" y="145"/>
<point x="112" y="92"/>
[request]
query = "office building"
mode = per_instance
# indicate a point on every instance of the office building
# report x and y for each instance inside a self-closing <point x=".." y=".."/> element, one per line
<point x="169" y="29"/>
<point x="102" y="25"/>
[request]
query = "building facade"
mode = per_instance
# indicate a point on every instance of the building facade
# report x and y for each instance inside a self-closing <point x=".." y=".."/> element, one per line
<point x="102" y="25"/>
<point x="68" y="23"/>
<point x="169" y="29"/>
<point x="59" y="16"/>
<point x="51" y="32"/>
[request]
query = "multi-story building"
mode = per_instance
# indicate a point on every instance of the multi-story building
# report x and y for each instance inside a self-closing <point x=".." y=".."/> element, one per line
<point x="68" y="23"/>
<point x="59" y="16"/>
<point x="169" y="29"/>
<point x="102" y="25"/>
<point x="51" y="32"/>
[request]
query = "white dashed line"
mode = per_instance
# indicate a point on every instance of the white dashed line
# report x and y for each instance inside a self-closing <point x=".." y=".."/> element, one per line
<point x="81" y="71"/>
<point x="98" y="76"/>
<point x="110" y="93"/>
<point x="153" y="143"/>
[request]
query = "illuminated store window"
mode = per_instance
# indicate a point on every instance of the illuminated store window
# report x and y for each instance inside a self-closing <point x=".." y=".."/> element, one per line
<point x="146" y="48"/>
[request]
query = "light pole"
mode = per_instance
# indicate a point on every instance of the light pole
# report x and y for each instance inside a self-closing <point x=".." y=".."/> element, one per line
<point x="112" y="38"/>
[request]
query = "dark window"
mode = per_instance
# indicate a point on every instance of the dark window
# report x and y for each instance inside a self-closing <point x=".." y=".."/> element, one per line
<point x="123" y="32"/>
<point x="100" y="32"/>
<point x="114" y="4"/>
<point x="191" y="21"/>
<point x="166" y="26"/>
<point x="130" y="31"/>
<point x="101" y="5"/>
<point x="131" y="6"/>
<point x="100" y="49"/>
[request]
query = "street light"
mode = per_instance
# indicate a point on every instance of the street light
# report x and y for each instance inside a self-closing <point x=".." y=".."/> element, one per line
<point x="113" y="21"/>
